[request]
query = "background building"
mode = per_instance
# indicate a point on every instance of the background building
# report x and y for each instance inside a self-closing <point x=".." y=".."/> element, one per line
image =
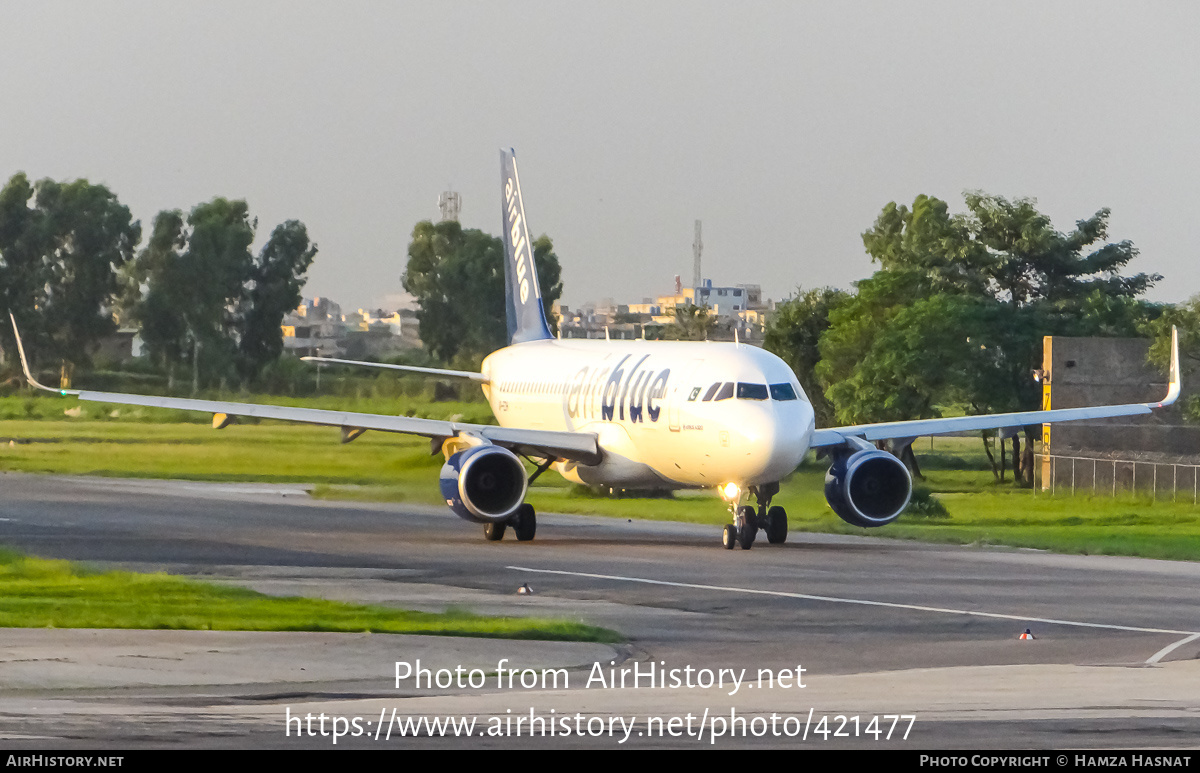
<point x="319" y="328"/>
<point x="734" y="307"/>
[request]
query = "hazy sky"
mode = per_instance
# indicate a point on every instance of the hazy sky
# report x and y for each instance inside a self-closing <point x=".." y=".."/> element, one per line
<point x="784" y="126"/>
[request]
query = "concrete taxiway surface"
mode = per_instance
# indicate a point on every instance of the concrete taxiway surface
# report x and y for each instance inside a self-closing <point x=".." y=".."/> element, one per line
<point x="880" y="627"/>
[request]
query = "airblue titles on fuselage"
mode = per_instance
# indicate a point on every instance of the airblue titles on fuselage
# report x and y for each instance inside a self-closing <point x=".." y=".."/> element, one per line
<point x="635" y="392"/>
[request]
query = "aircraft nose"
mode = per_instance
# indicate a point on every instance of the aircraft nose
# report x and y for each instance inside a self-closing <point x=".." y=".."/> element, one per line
<point x="776" y="436"/>
<point x="757" y="427"/>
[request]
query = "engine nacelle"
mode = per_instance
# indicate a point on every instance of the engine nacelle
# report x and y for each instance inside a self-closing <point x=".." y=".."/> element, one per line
<point x="485" y="483"/>
<point x="868" y="488"/>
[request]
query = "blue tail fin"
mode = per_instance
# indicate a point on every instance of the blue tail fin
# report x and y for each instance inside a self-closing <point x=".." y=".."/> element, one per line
<point x="526" y="318"/>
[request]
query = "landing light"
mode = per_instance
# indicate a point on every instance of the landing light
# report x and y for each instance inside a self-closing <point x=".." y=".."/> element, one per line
<point x="731" y="491"/>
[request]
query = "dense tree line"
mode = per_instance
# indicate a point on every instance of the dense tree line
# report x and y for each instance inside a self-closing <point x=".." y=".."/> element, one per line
<point x="61" y="248"/>
<point x="70" y="265"/>
<point x="956" y="312"/>
<point x="204" y="301"/>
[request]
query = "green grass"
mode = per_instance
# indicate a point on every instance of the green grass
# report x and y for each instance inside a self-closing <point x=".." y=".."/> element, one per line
<point x="41" y="593"/>
<point x="268" y="452"/>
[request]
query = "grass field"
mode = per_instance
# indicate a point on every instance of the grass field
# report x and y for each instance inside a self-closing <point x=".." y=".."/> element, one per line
<point x="267" y="452"/>
<point x="386" y="467"/>
<point x="39" y="593"/>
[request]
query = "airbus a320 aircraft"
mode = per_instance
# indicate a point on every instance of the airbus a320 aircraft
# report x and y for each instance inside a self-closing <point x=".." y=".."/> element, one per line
<point x="638" y="414"/>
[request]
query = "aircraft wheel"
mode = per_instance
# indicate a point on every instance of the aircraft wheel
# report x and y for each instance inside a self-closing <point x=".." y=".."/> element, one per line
<point x="494" y="532"/>
<point x="729" y="536"/>
<point x="776" y="525"/>
<point x="749" y="518"/>
<point x="749" y="527"/>
<point x="525" y="523"/>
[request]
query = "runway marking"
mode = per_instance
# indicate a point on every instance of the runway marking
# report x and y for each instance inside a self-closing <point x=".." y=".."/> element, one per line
<point x="1167" y="650"/>
<point x="1191" y="635"/>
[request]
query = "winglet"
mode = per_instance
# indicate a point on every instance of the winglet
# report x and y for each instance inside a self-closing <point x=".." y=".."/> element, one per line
<point x="1176" y="382"/>
<point x="25" y="364"/>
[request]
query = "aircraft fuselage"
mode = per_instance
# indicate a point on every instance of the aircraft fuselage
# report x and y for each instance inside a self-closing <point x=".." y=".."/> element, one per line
<point x="646" y="402"/>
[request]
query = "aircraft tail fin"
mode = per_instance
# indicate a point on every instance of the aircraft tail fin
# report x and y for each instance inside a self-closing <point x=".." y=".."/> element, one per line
<point x="526" y="317"/>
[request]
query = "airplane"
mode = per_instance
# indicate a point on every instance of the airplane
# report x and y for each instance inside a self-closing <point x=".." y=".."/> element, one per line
<point x="636" y="414"/>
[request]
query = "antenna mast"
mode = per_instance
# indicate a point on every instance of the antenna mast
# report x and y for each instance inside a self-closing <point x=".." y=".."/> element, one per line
<point x="697" y="247"/>
<point x="449" y="203"/>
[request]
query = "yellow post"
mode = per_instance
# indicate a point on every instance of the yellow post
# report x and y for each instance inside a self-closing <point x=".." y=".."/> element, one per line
<point x="1047" y="357"/>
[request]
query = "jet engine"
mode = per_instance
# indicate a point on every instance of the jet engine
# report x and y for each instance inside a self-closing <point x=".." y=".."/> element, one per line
<point x="868" y="488"/>
<point x="484" y="483"/>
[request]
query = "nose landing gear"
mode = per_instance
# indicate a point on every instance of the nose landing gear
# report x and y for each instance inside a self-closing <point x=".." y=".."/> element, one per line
<point x="747" y="527"/>
<point x="748" y="520"/>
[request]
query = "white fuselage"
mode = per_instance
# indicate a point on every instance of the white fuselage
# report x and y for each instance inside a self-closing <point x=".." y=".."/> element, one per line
<point x="645" y="400"/>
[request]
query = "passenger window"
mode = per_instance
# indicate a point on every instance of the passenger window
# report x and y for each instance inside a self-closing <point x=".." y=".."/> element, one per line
<point x="725" y="393"/>
<point x="751" y="391"/>
<point x="783" y="392"/>
<point x="712" y="390"/>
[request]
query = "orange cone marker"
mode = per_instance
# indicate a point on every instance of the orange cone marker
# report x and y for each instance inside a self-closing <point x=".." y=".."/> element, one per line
<point x="1027" y="635"/>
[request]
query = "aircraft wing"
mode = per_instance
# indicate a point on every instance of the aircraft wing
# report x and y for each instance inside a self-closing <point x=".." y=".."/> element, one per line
<point x="836" y="436"/>
<point x="574" y="446"/>
<point x="469" y="374"/>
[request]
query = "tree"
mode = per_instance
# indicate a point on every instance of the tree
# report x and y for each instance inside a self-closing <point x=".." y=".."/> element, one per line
<point x="1052" y="283"/>
<point x="156" y="269"/>
<point x="692" y="323"/>
<point x="1186" y="317"/>
<point x="61" y="248"/>
<point x="91" y="236"/>
<point x="457" y="277"/>
<point x="276" y="278"/>
<point x="887" y="357"/>
<point x="194" y="274"/>
<point x="202" y="299"/>
<point x="929" y="241"/>
<point x="794" y="332"/>
<point x="22" y="274"/>
<point x="998" y="277"/>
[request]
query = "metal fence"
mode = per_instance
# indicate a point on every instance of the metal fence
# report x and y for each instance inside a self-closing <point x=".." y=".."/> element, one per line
<point x="1112" y="477"/>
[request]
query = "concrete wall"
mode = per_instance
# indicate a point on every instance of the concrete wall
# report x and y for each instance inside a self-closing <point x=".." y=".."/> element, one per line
<point x="1106" y="371"/>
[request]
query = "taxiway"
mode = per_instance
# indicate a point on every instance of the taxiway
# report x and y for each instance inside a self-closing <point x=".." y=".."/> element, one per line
<point x="880" y="626"/>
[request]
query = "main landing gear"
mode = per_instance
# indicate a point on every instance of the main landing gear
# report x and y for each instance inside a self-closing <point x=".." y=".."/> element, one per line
<point x="523" y="521"/>
<point x="748" y="520"/>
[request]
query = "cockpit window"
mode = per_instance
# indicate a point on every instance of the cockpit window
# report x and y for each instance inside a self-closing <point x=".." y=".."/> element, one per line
<point x="783" y="392"/>
<point x="751" y="391"/>
<point x="725" y="393"/>
<point x="712" y="390"/>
